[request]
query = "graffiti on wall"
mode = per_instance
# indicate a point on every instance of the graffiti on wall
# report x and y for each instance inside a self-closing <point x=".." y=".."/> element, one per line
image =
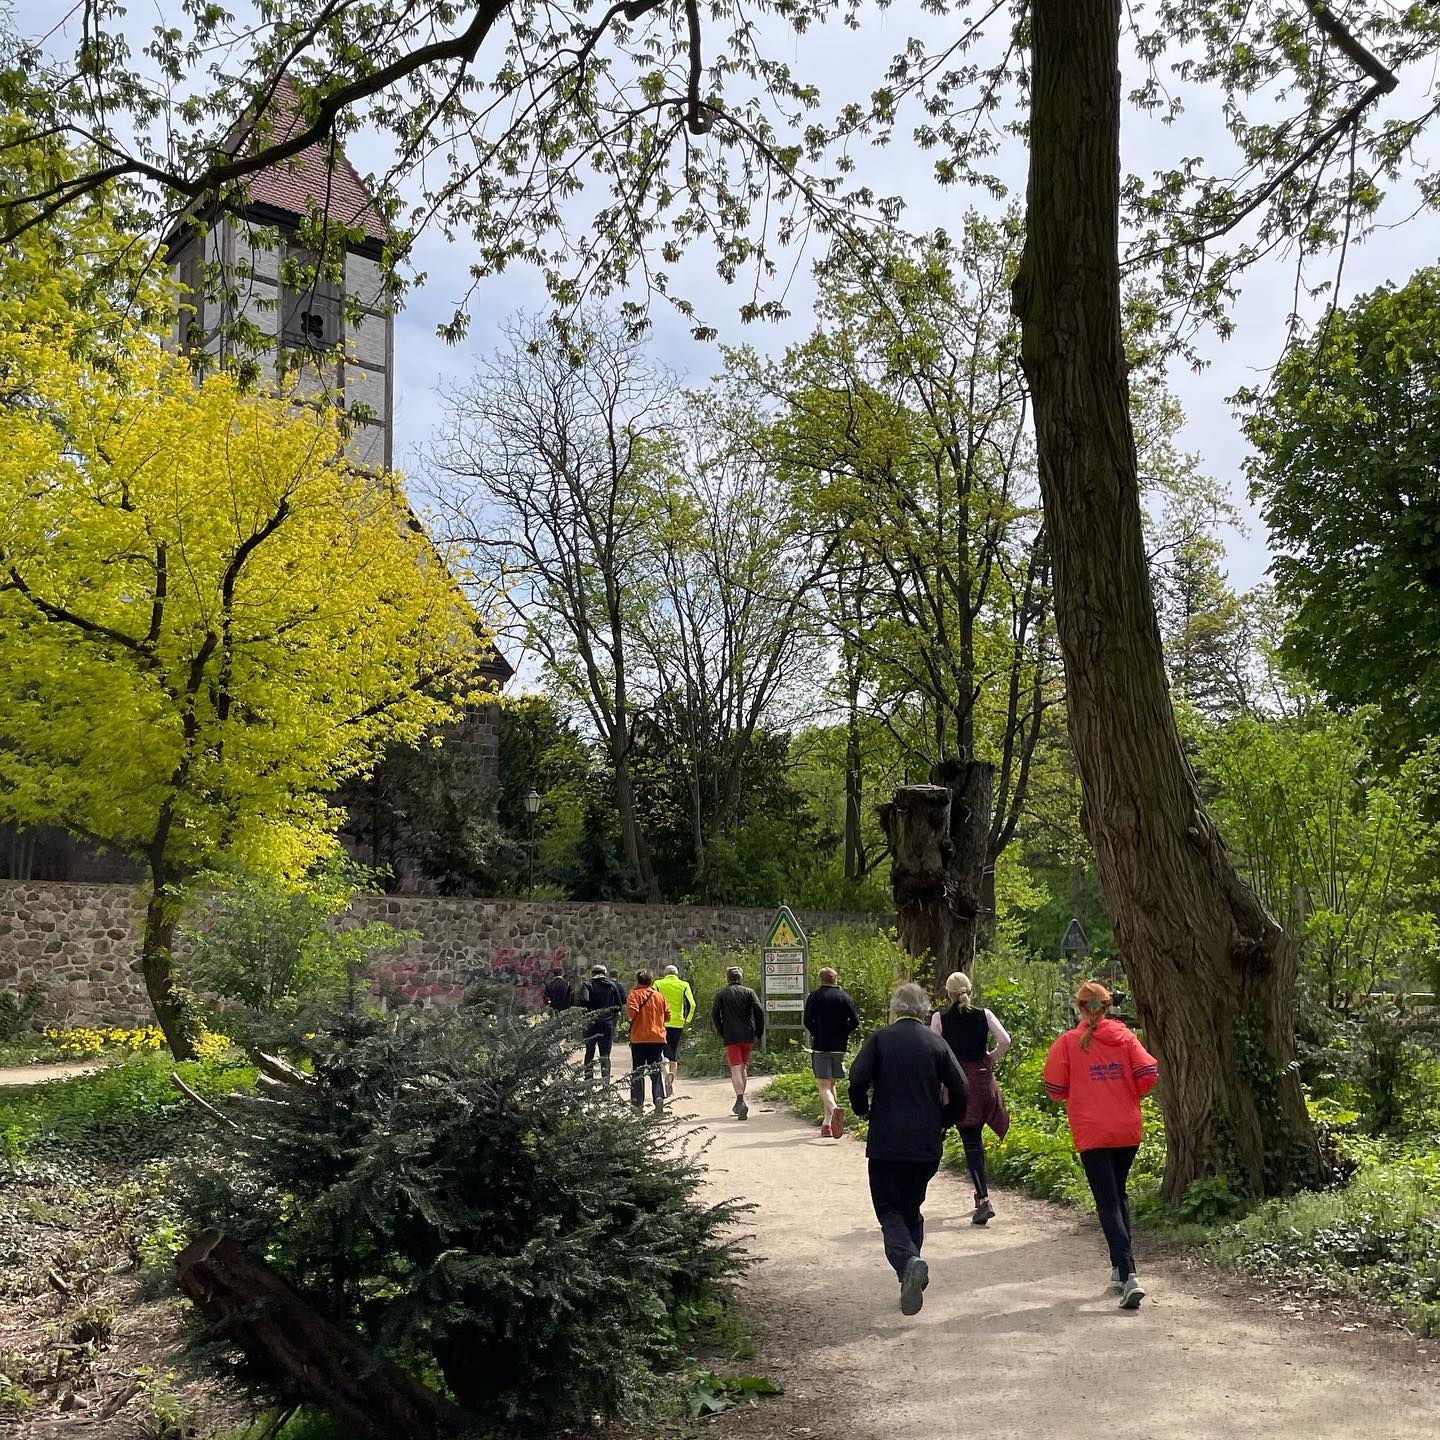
<point x="525" y="970"/>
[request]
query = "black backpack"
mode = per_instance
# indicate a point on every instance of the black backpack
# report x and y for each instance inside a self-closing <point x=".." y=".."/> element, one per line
<point x="557" y="993"/>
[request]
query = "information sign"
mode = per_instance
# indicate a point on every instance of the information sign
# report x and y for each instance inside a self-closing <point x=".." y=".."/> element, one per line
<point x="785" y="959"/>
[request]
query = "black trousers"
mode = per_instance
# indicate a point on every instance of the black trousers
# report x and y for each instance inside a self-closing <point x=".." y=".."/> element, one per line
<point x="972" y="1137"/>
<point x="600" y="1040"/>
<point x="645" y="1058"/>
<point x="1107" y="1169"/>
<point x="897" y="1190"/>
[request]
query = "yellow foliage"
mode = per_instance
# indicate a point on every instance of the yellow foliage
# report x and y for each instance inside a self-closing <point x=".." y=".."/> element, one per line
<point x="81" y="1042"/>
<point x="208" y="619"/>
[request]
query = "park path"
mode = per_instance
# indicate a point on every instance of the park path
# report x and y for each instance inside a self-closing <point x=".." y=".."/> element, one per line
<point x="1018" y="1337"/>
<point x="38" y="1074"/>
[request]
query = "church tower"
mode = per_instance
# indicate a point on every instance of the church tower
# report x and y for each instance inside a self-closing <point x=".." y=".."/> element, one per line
<point x="318" y="332"/>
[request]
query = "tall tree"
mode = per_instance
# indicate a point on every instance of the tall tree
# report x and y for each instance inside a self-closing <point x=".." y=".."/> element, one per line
<point x="721" y="616"/>
<point x="555" y="452"/>
<point x="1347" y="468"/>
<point x="208" y="621"/>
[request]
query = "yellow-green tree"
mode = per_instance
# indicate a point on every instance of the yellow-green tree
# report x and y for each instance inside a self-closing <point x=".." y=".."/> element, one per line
<point x="208" y="620"/>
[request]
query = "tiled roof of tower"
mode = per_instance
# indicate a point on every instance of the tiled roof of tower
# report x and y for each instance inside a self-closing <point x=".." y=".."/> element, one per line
<point x="309" y="178"/>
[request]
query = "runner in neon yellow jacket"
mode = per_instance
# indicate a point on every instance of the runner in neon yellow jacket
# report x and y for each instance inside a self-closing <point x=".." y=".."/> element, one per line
<point x="681" y="1000"/>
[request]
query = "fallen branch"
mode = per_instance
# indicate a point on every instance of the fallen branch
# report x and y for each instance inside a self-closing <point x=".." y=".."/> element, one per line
<point x="204" y="1104"/>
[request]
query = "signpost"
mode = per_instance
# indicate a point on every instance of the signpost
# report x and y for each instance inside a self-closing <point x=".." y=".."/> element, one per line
<point x="785" y="967"/>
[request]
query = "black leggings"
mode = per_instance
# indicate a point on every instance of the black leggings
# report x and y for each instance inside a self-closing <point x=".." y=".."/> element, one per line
<point x="1107" y="1170"/>
<point x="972" y="1137"/>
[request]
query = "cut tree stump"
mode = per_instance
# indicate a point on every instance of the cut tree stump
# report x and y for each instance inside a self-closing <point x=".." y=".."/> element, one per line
<point x="939" y="837"/>
<point x="308" y="1357"/>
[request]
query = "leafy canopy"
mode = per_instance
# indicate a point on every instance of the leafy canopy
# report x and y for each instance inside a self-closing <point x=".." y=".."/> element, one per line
<point x="207" y="618"/>
<point x="1348" y="472"/>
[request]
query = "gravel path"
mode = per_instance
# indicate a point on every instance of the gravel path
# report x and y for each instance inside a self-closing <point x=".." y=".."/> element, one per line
<point x="36" y="1074"/>
<point x="1018" y="1337"/>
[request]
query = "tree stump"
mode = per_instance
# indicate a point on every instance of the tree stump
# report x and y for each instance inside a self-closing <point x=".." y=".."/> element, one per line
<point x="939" y="838"/>
<point x="307" y="1356"/>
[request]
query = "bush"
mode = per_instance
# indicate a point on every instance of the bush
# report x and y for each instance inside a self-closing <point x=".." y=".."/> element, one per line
<point x="456" y="1193"/>
<point x="1377" y="1239"/>
<point x="275" y="949"/>
<point x="17" y="1014"/>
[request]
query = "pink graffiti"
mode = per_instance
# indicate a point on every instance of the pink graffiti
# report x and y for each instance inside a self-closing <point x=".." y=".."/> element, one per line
<point x="527" y="971"/>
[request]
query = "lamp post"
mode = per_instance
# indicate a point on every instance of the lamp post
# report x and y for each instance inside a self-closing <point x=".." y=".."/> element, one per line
<point x="532" y="808"/>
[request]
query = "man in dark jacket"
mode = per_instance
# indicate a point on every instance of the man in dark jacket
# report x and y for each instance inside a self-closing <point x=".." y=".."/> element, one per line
<point x="739" y="1019"/>
<point x="557" y="991"/>
<point x="907" y="1082"/>
<point x="831" y="1018"/>
<point x="602" y="1000"/>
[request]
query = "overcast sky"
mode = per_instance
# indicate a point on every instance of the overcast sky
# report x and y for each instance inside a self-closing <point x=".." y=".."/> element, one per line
<point x="847" y="64"/>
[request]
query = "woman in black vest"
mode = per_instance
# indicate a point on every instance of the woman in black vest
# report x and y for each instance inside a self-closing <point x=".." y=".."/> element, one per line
<point x="967" y="1031"/>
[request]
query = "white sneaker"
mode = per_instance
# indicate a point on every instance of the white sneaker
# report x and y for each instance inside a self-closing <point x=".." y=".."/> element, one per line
<point x="1132" y="1293"/>
<point x="1117" y="1282"/>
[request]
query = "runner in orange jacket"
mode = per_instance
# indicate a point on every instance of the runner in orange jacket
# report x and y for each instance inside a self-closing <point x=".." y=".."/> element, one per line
<point x="1099" y="1071"/>
<point x="647" y="1010"/>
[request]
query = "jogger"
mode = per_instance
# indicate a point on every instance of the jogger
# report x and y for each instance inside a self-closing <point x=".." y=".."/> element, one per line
<point x="647" y="1012"/>
<point x="968" y="1031"/>
<point x="739" y="1020"/>
<point x="1099" y="1071"/>
<point x="910" y="1087"/>
<point x="602" y="999"/>
<point x="831" y="1019"/>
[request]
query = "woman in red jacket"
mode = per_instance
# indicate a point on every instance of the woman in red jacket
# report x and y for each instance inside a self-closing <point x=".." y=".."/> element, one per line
<point x="1099" y="1071"/>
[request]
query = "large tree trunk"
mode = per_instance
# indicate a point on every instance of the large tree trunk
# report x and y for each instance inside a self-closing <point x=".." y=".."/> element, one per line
<point x="1213" y="975"/>
<point x="173" y="1012"/>
<point x="939" y="837"/>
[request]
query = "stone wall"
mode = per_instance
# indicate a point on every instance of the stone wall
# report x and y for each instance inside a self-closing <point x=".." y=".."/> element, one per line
<point x="82" y="941"/>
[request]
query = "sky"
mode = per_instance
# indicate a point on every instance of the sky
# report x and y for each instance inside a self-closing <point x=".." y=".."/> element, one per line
<point x="847" y="64"/>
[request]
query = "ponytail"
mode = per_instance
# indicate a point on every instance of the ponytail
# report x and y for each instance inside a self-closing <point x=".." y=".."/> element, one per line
<point x="959" y="988"/>
<point x="1092" y="1003"/>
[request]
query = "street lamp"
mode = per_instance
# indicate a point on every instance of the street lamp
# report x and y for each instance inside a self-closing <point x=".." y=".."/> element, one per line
<point x="532" y="808"/>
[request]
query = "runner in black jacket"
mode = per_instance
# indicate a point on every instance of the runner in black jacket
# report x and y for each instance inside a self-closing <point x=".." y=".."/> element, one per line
<point x="739" y="1020"/>
<point x="602" y="999"/>
<point x="831" y="1018"/>
<point x="909" y="1085"/>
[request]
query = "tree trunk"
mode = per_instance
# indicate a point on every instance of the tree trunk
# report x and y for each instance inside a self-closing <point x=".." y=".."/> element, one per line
<point x="173" y="1012"/>
<point x="939" y="836"/>
<point x="1213" y="975"/>
<point x="917" y="823"/>
<point x="854" y="797"/>
<point x="971" y="784"/>
<point x="308" y="1357"/>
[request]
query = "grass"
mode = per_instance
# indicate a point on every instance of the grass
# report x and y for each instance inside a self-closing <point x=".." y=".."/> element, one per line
<point x="126" y="1113"/>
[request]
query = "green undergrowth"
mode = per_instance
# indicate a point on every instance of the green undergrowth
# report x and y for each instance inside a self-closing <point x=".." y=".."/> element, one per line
<point x="125" y="1114"/>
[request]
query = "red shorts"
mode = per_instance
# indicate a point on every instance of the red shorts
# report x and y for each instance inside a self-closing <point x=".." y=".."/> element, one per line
<point x="737" y="1054"/>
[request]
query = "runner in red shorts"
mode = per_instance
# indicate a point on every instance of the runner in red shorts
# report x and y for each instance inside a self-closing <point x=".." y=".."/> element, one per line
<point x="739" y="1019"/>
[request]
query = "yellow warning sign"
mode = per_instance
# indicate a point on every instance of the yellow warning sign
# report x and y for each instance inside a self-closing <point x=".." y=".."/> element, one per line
<point x="783" y="937"/>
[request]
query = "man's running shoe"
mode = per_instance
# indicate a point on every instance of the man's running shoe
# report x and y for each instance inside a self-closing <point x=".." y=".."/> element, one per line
<point x="735" y="1108"/>
<point x="743" y="1110"/>
<point x="1117" y="1281"/>
<point x="1132" y="1293"/>
<point x="912" y="1285"/>
<point x="837" y="1122"/>
<point x="826" y="1133"/>
<point x="984" y="1212"/>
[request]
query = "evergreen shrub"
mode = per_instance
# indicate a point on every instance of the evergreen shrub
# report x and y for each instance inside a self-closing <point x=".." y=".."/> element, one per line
<point x="452" y="1189"/>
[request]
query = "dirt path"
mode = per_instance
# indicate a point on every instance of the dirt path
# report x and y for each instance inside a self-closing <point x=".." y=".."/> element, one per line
<point x="1018" y="1337"/>
<point x="36" y="1074"/>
